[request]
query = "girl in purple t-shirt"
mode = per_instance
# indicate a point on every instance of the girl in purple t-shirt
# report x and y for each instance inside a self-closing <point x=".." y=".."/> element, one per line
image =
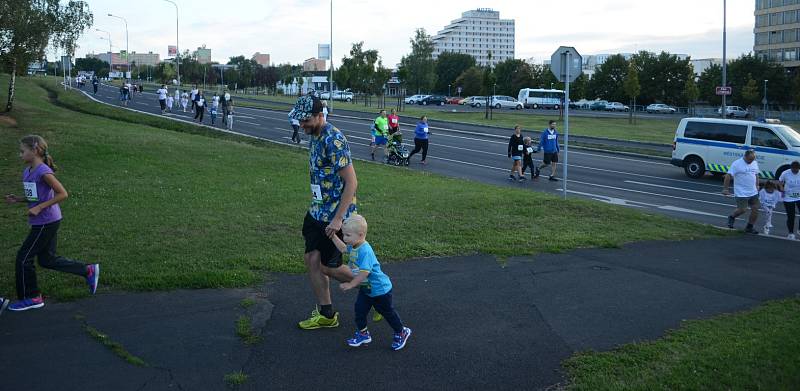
<point x="43" y="192"/>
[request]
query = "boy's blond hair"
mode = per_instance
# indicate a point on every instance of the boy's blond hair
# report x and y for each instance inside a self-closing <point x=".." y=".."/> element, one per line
<point x="356" y="223"/>
<point x="526" y="140"/>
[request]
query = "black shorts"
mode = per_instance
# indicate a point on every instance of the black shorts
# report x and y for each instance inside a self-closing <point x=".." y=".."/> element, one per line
<point x="550" y="158"/>
<point x="316" y="239"/>
<point x="163" y="103"/>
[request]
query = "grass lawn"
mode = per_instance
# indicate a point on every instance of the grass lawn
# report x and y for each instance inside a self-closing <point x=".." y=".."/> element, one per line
<point x="753" y="350"/>
<point x="162" y="205"/>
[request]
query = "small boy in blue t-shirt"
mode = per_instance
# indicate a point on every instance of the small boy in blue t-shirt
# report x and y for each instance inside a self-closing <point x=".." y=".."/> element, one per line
<point x="375" y="288"/>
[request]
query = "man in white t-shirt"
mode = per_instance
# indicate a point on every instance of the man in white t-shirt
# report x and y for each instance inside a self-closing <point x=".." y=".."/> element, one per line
<point x="162" y="97"/>
<point x="790" y="185"/>
<point x="744" y="173"/>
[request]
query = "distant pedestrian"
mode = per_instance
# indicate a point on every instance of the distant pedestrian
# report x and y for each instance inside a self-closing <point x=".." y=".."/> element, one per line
<point x="421" y="134"/>
<point x="170" y="103"/>
<point x="185" y="101"/>
<point x="527" y="158"/>
<point x="95" y="84"/>
<point x="325" y="109"/>
<point x="199" y="106"/>
<point x="130" y="89"/>
<point x="744" y="172"/>
<point x="124" y="94"/>
<point x="548" y="142"/>
<point x="193" y="96"/>
<point x="43" y="193"/>
<point x="394" y="122"/>
<point x="230" y="117"/>
<point x="769" y="197"/>
<point x="177" y="95"/>
<point x="227" y="106"/>
<point x="375" y="287"/>
<point x="214" y="108"/>
<point x="380" y="133"/>
<point x="162" y="98"/>
<point x="790" y="185"/>
<point x="515" y="149"/>
<point x="295" y="127"/>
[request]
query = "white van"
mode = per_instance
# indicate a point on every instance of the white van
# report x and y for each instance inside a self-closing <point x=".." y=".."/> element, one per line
<point x="712" y="144"/>
<point x="537" y="98"/>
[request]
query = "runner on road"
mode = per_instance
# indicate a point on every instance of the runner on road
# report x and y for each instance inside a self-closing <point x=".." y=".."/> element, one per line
<point x="333" y="199"/>
<point x="744" y="172"/>
<point x="193" y="96"/>
<point x="790" y="185"/>
<point x="516" y="147"/>
<point x="421" y="134"/>
<point x="162" y="98"/>
<point x="380" y="133"/>
<point x="549" y="144"/>
<point x="199" y="106"/>
<point x="95" y="84"/>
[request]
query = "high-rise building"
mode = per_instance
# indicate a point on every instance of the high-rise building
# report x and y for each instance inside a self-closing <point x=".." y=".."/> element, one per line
<point x="777" y="31"/>
<point x="480" y="33"/>
<point x="313" y="65"/>
<point x="261" y="59"/>
<point x="203" y="55"/>
<point x="117" y="61"/>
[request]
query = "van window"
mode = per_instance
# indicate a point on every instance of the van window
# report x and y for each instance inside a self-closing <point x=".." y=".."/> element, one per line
<point x="716" y="132"/>
<point x="763" y="137"/>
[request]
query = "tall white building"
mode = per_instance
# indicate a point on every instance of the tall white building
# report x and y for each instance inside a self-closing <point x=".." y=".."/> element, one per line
<point x="478" y="33"/>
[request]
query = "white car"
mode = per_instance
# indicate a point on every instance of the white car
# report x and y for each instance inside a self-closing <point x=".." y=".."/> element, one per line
<point x="506" y="102"/>
<point x="616" y="106"/>
<point x="414" y="99"/>
<point x="734" y="112"/>
<point x="661" y="109"/>
<point x="712" y="144"/>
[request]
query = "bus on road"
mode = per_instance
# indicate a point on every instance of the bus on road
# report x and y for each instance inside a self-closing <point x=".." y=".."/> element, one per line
<point x="539" y="98"/>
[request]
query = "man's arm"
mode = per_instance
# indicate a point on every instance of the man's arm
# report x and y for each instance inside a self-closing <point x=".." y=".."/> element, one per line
<point x="726" y="185"/>
<point x="348" y="175"/>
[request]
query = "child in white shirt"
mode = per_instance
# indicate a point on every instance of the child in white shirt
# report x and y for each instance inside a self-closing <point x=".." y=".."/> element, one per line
<point x="769" y="197"/>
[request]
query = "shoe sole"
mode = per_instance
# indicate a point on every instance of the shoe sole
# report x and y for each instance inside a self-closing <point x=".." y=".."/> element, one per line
<point x="404" y="341"/>
<point x="96" y="278"/>
<point x="35" y="306"/>
<point x="355" y="345"/>
<point x="4" y="305"/>
<point x="320" y="326"/>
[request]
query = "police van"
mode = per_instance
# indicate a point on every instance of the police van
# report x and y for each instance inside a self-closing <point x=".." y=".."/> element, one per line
<point x="712" y="144"/>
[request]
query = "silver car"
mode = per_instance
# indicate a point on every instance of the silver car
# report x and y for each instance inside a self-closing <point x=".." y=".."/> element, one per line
<point x="734" y="112"/>
<point x="660" y="108"/>
<point x="506" y="102"/>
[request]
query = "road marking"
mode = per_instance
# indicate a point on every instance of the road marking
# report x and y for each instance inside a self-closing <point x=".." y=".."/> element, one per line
<point x="675" y="188"/>
<point x="247" y="122"/>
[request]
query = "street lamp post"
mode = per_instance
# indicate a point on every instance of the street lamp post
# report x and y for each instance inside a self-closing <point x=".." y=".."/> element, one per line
<point x="109" y="43"/>
<point x="765" y="99"/>
<point x="448" y="90"/>
<point x="127" y="48"/>
<point x="724" y="55"/>
<point x="177" y="47"/>
<point x="330" y="54"/>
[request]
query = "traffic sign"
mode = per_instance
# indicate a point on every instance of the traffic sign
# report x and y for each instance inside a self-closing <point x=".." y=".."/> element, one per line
<point x="724" y="91"/>
<point x="566" y="64"/>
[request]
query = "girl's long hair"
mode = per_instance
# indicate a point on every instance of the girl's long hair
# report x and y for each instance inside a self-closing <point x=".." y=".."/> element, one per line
<point x="38" y="145"/>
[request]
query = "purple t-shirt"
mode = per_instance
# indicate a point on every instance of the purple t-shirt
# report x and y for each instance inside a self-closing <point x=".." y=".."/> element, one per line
<point x="37" y="191"/>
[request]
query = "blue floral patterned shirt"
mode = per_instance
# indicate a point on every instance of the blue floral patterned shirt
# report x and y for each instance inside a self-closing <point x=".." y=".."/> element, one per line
<point x="328" y="153"/>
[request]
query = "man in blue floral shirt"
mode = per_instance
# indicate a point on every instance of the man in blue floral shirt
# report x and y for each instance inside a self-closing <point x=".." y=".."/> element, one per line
<point x="333" y="198"/>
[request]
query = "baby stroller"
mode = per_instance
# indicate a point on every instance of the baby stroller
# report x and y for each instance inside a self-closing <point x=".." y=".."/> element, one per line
<point x="396" y="152"/>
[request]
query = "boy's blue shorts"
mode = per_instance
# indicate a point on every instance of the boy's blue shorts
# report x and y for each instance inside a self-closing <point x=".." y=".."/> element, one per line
<point x="381" y="140"/>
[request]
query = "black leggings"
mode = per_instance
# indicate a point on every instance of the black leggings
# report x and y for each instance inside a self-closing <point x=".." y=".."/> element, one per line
<point x="420" y="144"/>
<point x="199" y="112"/>
<point x="41" y="243"/>
<point x="791" y="208"/>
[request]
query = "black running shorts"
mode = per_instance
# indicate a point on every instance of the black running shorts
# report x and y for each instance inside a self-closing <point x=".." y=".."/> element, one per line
<point x="316" y="239"/>
<point x="550" y="158"/>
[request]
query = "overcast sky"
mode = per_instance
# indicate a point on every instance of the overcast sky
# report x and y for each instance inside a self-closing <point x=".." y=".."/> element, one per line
<point x="289" y="30"/>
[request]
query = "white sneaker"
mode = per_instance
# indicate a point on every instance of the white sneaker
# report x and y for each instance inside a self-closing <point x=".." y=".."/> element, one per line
<point x="790" y="237"/>
<point x="765" y="230"/>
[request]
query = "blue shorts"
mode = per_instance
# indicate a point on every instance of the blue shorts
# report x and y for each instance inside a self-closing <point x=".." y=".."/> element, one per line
<point x="516" y="158"/>
<point x="380" y="140"/>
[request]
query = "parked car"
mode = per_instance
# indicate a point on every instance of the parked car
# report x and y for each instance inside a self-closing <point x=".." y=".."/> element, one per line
<point x="345" y="95"/>
<point x="661" y="108"/>
<point x="472" y="100"/>
<point x="414" y="99"/>
<point x="616" y="106"/>
<point x="581" y="104"/>
<point x="598" y="105"/>
<point x="734" y="112"/>
<point x="506" y="102"/>
<point x="479" y="101"/>
<point x="437" y="100"/>
<point x="453" y="100"/>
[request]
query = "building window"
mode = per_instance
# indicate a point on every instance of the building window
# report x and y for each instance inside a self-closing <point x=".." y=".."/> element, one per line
<point x="790" y="55"/>
<point x="776" y="19"/>
<point x="776" y="37"/>
<point x="790" y="17"/>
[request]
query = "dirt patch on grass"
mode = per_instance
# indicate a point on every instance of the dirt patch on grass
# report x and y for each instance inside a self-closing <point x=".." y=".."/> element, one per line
<point x="7" y="121"/>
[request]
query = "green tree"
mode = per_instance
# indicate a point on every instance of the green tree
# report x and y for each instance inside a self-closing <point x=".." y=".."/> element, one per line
<point x="96" y="65"/>
<point x="28" y="26"/>
<point x="471" y="81"/>
<point x="796" y="90"/>
<point x="512" y="76"/>
<point x="607" y="82"/>
<point x="750" y="93"/>
<point x="417" y="70"/>
<point x="632" y="88"/>
<point x="691" y="92"/>
<point x="449" y="66"/>
<point x="662" y="77"/>
<point x="747" y="67"/>
<point x="707" y="84"/>
<point x="357" y="71"/>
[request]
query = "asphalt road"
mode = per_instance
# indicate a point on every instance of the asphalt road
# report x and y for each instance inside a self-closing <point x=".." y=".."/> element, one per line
<point x="478" y="153"/>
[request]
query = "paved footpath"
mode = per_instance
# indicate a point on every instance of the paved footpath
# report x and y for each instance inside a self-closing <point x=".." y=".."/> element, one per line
<point x="478" y="323"/>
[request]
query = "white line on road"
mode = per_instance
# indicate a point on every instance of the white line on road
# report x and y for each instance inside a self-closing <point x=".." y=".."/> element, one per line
<point x="676" y="188"/>
<point x="247" y="122"/>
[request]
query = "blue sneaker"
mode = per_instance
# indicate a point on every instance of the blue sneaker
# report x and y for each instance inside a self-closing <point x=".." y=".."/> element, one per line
<point x="26" y="304"/>
<point x="93" y="277"/>
<point x="360" y="338"/>
<point x="3" y="304"/>
<point x="400" y="339"/>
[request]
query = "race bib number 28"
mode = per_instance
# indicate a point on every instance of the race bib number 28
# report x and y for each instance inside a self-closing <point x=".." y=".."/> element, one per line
<point x="30" y="191"/>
